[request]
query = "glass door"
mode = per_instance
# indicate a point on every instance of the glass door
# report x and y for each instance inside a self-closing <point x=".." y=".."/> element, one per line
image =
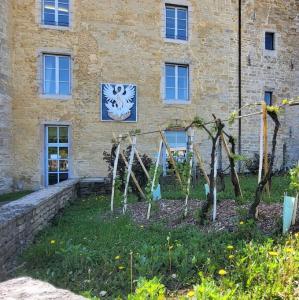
<point x="57" y="154"/>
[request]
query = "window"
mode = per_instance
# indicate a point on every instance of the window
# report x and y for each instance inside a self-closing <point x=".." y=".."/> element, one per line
<point x="268" y="98"/>
<point x="176" y="22"/>
<point x="56" y="12"/>
<point x="270" y="41"/>
<point x="57" y="74"/>
<point x="177" y="142"/>
<point x="176" y="82"/>
<point x="57" y="154"/>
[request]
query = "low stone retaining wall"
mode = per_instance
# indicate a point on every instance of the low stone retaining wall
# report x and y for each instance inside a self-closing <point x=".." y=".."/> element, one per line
<point x="94" y="186"/>
<point x="21" y="220"/>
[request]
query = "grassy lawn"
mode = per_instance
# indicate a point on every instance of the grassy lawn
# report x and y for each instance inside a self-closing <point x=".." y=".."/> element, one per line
<point x="13" y="196"/>
<point x="280" y="185"/>
<point x="87" y="249"/>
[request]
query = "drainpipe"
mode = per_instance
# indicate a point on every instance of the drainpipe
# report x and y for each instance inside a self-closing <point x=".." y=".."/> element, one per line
<point x="240" y="80"/>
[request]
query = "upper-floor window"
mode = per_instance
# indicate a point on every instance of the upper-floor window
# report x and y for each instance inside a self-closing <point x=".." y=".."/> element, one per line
<point x="176" y="22"/>
<point x="56" y="12"/>
<point x="176" y="82"/>
<point x="57" y="74"/>
<point x="269" y="98"/>
<point x="270" y="41"/>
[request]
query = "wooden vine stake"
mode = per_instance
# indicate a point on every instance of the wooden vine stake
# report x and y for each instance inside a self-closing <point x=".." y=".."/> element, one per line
<point x="191" y="139"/>
<point x="265" y="135"/>
<point x="235" y="177"/>
<point x="172" y="160"/>
<point x="133" y="146"/>
<point x="154" y="179"/>
<point x="215" y="187"/>
<point x="115" y="172"/>
<point x="201" y="165"/>
<point x="140" y="160"/>
<point x="261" y="145"/>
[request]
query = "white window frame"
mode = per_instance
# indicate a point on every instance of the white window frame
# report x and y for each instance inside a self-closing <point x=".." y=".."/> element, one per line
<point x="58" y="145"/>
<point x="176" y="7"/>
<point x="177" y="83"/>
<point x="57" y="56"/>
<point x="56" y="15"/>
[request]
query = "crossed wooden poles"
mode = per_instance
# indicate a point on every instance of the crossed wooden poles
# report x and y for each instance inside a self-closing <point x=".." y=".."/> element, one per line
<point x="193" y="150"/>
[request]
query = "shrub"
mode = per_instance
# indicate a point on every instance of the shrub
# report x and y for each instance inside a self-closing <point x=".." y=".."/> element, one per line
<point x="122" y="169"/>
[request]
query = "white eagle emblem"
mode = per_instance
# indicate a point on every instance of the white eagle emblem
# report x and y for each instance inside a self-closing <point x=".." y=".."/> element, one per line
<point x="119" y="101"/>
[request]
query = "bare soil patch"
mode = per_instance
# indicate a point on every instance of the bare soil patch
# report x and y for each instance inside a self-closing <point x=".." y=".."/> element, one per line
<point x="229" y="215"/>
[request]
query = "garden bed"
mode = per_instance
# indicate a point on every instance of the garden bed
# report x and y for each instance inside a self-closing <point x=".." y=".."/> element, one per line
<point x="229" y="215"/>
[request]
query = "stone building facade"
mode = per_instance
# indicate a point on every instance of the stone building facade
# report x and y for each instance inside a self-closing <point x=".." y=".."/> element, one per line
<point x="5" y="97"/>
<point x="125" y="42"/>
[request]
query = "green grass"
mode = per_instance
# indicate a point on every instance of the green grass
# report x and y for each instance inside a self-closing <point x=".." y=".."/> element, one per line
<point x="13" y="196"/>
<point x="87" y="249"/>
<point x="280" y="185"/>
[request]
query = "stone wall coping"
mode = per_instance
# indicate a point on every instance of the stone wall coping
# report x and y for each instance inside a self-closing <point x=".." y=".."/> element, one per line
<point x="18" y="208"/>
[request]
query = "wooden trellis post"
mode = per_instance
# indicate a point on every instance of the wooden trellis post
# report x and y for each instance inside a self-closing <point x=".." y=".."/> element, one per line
<point x="140" y="160"/>
<point x="230" y="156"/>
<point x="191" y="139"/>
<point x="172" y="160"/>
<point x="201" y="165"/>
<point x="215" y="187"/>
<point x="115" y="172"/>
<point x="133" y="146"/>
<point x="154" y="179"/>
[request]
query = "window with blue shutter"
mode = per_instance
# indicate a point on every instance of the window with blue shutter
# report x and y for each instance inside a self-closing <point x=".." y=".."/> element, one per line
<point x="176" y="22"/>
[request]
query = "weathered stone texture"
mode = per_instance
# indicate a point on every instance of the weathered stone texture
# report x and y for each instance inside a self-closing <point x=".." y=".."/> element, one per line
<point x="26" y="288"/>
<point x="5" y="98"/>
<point x="122" y="41"/>
<point x="21" y="220"/>
<point x="278" y="72"/>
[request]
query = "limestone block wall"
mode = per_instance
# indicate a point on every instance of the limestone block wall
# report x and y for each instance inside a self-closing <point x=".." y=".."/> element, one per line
<point x="5" y="98"/>
<point x="118" y="41"/>
<point x="265" y="71"/>
<point x="21" y="220"/>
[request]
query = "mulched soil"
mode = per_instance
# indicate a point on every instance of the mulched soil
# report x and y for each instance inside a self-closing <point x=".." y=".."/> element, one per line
<point x="170" y="213"/>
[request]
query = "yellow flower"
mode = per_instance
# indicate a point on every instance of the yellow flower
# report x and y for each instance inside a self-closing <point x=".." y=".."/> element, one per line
<point x="241" y="222"/>
<point x="222" y="272"/>
<point x="285" y="101"/>
<point x="289" y="250"/>
<point x="52" y="242"/>
<point x="230" y="247"/>
<point x="231" y="256"/>
<point x="191" y="294"/>
<point x="297" y="235"/>
<point x="141" y="226"/>
<point x="273" y="253"/>
<point x="117" y="257"/>
<point x="121" y="267"/>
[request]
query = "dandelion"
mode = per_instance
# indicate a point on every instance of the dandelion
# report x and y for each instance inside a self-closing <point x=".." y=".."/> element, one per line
<point x="141" y="226"/>
<point x="191" y="294"/>
<point x="289" y="250"/>
<point x="273" y="253"/>
<point x="241" y="223"/>
<point x="117" y="257"/>
<point x="285" y="101"/>
<point x="230" y="247"/>
<point x="296" y="235"/>
<point x="231" y="256"/>
<point x="222" y="272"/>
<point x="121" y="267"/>
<point x="52" y="242"/>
